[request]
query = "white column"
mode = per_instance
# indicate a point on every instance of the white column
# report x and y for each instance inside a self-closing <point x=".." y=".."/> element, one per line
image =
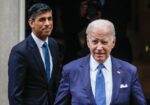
<point x="11" y="32"/>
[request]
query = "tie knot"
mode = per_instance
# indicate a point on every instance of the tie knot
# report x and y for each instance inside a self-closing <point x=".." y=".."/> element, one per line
<point x="100" y="66"/>
<point x="45" y="44"/>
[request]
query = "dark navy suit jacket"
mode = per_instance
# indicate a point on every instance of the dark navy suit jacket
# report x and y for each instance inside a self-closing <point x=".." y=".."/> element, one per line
<point x="28" y="84"/>
<point x="75" y="84"/>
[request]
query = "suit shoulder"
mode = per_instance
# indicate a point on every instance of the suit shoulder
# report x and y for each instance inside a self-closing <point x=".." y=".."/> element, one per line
<point x="125" y="65"/>
<point x="22" y="46"/>
<point x="19" y="46"/>
<point x="76" y="63"/>
<point x="74" y="67"/>
<point x="52" y="41"/>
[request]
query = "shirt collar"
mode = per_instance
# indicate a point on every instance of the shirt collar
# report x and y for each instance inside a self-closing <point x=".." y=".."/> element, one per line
<point x="94" y="64"/>
<point x="38" y="41"/>
<point x="108" y="63"/>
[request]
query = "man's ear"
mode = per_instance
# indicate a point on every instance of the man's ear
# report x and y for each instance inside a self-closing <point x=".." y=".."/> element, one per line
<point x="114" y="42"/>
<point x="31" y="23"/>
<point x="87" y="41"/>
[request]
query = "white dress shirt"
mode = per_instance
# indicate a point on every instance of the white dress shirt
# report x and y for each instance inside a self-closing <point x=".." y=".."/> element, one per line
<point x="107" y="72"/>
<point x="39" y="44"/>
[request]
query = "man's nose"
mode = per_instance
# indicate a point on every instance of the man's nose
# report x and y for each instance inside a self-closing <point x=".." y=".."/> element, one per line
<point x="99" y="46"/>
<point x="47" y="22"/>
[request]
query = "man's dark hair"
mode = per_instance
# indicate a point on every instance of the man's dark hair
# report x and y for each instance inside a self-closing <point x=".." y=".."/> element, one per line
<point x="36" y="9"/>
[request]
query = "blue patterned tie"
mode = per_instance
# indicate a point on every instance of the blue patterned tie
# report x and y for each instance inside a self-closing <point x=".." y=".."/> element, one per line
<point x="100" y="97"/>
<point x="47" y="60"/>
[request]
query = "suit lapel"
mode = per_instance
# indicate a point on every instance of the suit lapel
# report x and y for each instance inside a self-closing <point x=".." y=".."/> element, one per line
<point x="53" y="52"/>
<point x="116" y="76"/>
<point x="86" y="79"/>
<point x="36" y="54"/>
<point x="50" y="44"/>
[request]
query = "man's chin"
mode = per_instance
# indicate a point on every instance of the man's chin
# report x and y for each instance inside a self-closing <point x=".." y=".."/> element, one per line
<point x="100" y="59"/>
<point x="47" y="34"/>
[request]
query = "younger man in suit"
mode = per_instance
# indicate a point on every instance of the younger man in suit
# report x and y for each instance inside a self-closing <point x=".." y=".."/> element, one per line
<point x="33" y="81"/>
<point x="99" y="78"/>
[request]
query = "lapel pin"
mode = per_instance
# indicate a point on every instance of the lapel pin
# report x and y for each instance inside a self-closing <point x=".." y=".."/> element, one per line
<point x="118" y="72"/>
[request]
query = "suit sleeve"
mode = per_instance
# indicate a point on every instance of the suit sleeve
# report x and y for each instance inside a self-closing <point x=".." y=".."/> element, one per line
<point x="16" y="76"/>
<point x="63" y="95"/>
<point x="137" y="93"/>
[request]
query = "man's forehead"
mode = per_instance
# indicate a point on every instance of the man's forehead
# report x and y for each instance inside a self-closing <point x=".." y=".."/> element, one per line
<point x="43" y="13"/>
<point x="100" y="37"/>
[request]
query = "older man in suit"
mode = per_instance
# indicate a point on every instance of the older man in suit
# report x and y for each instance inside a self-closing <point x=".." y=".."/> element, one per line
<point x="33" y="66"/>
<point x="99" y="78"/>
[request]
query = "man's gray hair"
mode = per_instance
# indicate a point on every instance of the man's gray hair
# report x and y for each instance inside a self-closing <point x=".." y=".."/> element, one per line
<point x="100" y="23"/>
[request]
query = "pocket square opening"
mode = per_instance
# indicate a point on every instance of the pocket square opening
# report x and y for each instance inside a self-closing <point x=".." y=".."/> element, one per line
<point x="123" y="86"/>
